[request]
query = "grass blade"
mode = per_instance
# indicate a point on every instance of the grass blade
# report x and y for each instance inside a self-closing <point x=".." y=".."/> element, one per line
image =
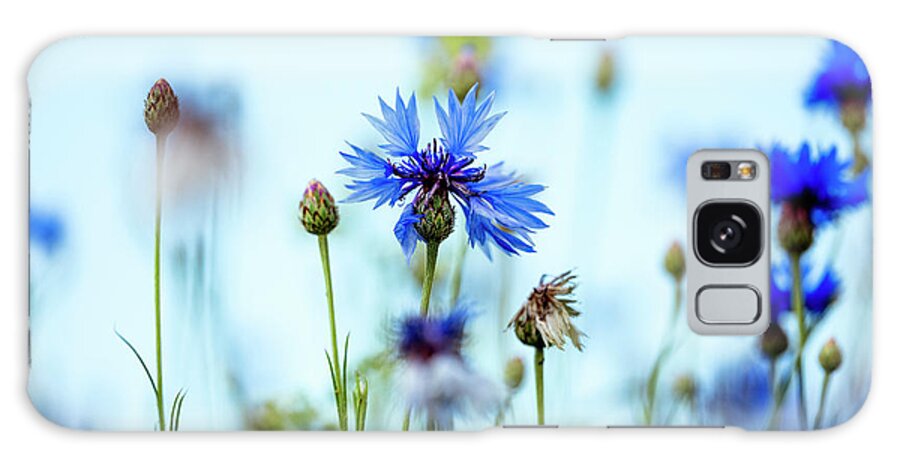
<point x="143" y="364"/>
<point x="178" y="411"/>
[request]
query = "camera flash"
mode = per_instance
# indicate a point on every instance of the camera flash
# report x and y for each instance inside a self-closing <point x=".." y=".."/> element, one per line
<point x="746" y="170"/>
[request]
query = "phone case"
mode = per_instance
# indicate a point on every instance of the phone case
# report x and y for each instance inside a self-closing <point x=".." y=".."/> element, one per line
<point x="454" y="233"/>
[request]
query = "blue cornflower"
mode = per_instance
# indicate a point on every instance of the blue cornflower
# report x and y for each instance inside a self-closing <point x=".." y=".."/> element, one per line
<point x="435" y="379"/>
<point x="843" y="80"/>
<point x="498" y="207"/>
<point x="421" y="338"/>
<point x="741" y="395"/>
<point x="819" y="291"/>
<point x="45" y="230"/>
<point x="819" y="188"/>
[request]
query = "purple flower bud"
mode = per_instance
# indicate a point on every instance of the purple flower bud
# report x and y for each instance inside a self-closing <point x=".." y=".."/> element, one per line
<point x="161" y="111"/>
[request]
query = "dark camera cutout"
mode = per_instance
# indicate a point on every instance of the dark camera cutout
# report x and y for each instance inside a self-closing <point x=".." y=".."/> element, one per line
<point x="728" y="233"/>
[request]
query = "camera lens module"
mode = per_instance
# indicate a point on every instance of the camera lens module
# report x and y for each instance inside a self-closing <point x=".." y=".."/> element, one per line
<point x="728" y="233"/>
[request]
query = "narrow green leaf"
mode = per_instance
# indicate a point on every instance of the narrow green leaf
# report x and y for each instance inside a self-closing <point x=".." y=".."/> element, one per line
<point x="172" y="411"/>
<point x="178" y="411"/>
<point x="344" y="370"/>
<point x="141" y="360"/>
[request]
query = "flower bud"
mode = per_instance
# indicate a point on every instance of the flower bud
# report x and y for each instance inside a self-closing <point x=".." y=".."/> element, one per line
<point x="318" y="212"/>
<point x="773" y="342"/>
<point x="161" y="109"/>
<point x="853" y="115"/>
<point x="830" y="357"/>
<point x="795" y="230"/>
<point x="685" y="388"/>
<point x="513" y="373"/>
<point x="438" y="217"/>
<point x="606" y="72"/>
<point x="674" y="261"/>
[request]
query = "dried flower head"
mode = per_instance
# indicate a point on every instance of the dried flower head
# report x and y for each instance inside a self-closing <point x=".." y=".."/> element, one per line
<point x="318" y="211"/>
<point x="545" y="318"/>
<point x="161" y="111"/>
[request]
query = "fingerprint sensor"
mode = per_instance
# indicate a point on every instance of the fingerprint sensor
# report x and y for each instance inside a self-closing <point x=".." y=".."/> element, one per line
<point x="725" y="304"/>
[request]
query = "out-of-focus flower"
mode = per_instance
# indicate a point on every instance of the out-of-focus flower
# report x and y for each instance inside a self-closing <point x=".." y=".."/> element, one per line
<point x="498" y="207"/>
<point x="843" y="80"/>
<point x="819" y="291"/>
<point x="161" y="108"/>
<point x="741" y="395"/>
<point x="606" y="72"/>
<point x="318" y="211"/>
<point x="795" y="230"/>
<point x="685" y="388"/>
<point x="773" y="342"/>
<point x="513" y="373"/>
<point x="545" y="319"/>
<point x="674" y="261"/>
<point x="45" y="230"/>
<point x="830" y="357"/>
<point x="819" y="187"/>
<point x="456" y="63"/>
<point x="436" y="380"/>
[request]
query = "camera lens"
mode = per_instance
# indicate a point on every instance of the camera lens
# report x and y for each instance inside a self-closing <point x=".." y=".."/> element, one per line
<point x="728" y="233"/>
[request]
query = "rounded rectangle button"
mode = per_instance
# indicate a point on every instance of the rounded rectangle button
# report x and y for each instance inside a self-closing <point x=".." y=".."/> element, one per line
<point x="728" y="304"/>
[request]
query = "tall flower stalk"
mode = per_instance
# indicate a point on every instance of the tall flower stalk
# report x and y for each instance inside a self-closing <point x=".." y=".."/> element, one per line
<point x="812" y="191"/>
<point x="675" y="267"/>
<point x="773" y="343"/>
<point x="545" y="320"/>
<point x="830" y="358"/>
<point x="319" y="216"/>
<point x="161" y="114"/>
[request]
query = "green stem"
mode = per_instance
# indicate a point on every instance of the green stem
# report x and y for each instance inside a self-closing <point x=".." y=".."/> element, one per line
<point x="431" y="251"/>
<point x="819" y="415"/>
<point x="428" y="281"/>
<point x="539" y="382"/>
<point x="339" y="394"/>
<point x="160" y="407"/>
<point x="777" y="395"/>
<point x="800" y="313"/>
<point x="668" y="345"/>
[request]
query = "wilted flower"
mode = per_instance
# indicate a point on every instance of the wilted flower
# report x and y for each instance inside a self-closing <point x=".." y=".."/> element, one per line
<point x="436" y="379"/>
<point x="674" y="261"/>
<point x="499" y="208"/>
<point x="45" y="230"/>
<point x="318" y="211"/>
<point x="773" y="342"/>
<point x="161" y="108"/>
<point x="818" y="189"/>
<point x="513" y="373"/>
<point x="843" y="81"/>
<point x="830" y="357"/>
<point x="819" y="291"/>
<point x="545" y="319"/>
